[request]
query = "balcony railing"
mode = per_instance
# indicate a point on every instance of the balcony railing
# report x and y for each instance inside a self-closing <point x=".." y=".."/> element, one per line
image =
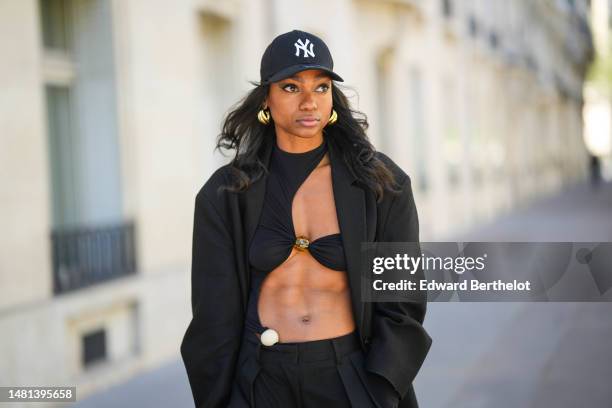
<point x="86" y="256"/>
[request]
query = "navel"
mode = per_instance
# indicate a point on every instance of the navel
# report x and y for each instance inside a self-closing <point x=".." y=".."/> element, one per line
<point x="306" y="319"/>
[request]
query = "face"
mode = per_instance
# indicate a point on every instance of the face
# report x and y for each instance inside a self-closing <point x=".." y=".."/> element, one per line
<point x="301" y="105"/>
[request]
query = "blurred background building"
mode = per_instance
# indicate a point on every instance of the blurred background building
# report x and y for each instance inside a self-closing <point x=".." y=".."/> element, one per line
<point x="109" y="112"/>
<point x="598" y="92"/>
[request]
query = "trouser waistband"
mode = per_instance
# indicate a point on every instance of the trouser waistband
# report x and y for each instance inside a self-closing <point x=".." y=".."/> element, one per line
<point x="308" y="351"/>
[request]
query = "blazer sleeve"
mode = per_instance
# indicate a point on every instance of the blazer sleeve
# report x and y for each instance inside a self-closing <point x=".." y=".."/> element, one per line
<point x="211" y="343"/>
<point x="399" y="343"/>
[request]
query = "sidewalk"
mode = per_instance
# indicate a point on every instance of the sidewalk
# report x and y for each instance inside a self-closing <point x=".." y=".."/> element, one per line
<point x="164" y="387"/>
<point x="526" y="354"/>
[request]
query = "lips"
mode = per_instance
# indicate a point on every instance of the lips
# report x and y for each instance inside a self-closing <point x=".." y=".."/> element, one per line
<point x="308" y="121"/>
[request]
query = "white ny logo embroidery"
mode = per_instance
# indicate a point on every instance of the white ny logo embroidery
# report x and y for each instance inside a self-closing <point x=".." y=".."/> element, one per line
<point x="299" y="45"/>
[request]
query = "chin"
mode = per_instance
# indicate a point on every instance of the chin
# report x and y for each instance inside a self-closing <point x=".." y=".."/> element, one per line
<point x="308" y="132"/>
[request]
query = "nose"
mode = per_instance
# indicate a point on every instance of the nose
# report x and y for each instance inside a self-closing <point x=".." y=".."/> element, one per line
<point x="308" y="102"/>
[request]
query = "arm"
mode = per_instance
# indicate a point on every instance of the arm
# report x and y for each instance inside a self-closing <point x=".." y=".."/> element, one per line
<point x="211" y="344"/>
<point x="399" y="341"/>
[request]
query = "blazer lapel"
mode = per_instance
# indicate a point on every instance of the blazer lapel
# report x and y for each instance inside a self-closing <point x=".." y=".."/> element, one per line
<point x="252" y="204"/>
<point x="351" y="211"/>
<point x="254" y="199"/>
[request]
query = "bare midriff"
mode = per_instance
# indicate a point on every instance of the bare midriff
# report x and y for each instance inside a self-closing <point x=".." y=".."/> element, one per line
<point x="302" y="299"/>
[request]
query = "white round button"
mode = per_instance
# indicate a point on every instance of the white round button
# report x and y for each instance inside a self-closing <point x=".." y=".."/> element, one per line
<point x="269" y="337"/>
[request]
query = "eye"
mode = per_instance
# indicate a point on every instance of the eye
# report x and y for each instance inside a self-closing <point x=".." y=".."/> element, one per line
<point x="289" y="87"/>
<point x="325" y="87"/>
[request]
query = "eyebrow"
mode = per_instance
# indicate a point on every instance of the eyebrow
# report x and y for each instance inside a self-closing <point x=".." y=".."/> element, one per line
<point x="297" y="78"/>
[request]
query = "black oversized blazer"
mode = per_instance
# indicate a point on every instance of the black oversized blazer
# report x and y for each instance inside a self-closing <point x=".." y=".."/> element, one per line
<point x="392" y="336"/>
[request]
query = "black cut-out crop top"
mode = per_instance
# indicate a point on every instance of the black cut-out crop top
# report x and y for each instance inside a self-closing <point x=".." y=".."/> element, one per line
<point x="275" y="235"/>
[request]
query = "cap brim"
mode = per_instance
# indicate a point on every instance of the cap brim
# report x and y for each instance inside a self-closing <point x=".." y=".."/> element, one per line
<point x="287" y="72"/>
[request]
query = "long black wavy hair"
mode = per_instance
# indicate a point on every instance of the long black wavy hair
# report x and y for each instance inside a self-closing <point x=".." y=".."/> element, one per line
<point x="243" y="133"/>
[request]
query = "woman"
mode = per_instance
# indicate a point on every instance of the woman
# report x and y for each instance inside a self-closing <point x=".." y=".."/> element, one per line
<point x="278" y="319"/>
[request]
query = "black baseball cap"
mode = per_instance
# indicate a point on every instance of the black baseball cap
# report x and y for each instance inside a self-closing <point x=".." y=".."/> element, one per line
<point x="293" y="52"/>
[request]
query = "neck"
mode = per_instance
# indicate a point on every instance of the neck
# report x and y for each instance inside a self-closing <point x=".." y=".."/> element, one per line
<point x="296" y="144"/>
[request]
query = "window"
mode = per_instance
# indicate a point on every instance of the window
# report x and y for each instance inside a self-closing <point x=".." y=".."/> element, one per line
<point x="417" y="127"/>
<point x="472" y="26"/>
<point x="62" y="154"/>
<point x="384" y="62"/>
<point x="56" y="21"/>
<point x="451" y="138"/>
<point x="94" y="347"/>
<point x="217" y="73"/>
<point x="447" y="8"/>
<point x="91" y="242"/>
<point x="81" y="110"/>
<point x="493" y="40"/>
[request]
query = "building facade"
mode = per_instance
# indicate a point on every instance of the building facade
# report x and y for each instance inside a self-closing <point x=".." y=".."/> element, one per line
<point x="598" y="90"/>
<point x="110" y="110"/>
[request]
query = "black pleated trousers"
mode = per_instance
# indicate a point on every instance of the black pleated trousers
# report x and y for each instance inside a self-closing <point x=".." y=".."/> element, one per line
<point x="312" y="374"/>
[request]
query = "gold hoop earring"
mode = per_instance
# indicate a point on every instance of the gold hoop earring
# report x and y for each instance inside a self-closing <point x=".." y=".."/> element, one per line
<point x="333" y="118"/>
<point x="263" y="116"/>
